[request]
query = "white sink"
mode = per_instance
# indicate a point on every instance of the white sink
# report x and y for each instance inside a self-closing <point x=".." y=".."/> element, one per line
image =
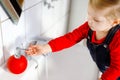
<point x="31" y="73"/>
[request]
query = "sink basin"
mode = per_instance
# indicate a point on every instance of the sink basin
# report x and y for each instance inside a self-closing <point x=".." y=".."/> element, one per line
<point x="31" y="73"/>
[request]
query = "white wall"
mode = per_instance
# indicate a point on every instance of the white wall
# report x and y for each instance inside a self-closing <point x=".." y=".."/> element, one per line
<point x="78" y="13"/>
<point x="54" y="21"/>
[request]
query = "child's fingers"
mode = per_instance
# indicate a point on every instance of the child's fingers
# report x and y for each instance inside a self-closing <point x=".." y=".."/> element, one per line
<point x="32" y="50"/>
<point x="28" y="52"/>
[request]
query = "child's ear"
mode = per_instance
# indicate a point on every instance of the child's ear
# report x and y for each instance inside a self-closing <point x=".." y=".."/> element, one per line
<point x="116" y="21"/>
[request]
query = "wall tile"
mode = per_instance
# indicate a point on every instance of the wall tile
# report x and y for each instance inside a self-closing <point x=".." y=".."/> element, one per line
<point x="30" y="3"/>
<point x="55" y="23"/>
<point x="33" y="21"/>
<point x="12" y="35"/>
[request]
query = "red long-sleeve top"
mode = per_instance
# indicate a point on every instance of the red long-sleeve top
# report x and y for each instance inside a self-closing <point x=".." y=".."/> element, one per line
<point x="71" y="38"/>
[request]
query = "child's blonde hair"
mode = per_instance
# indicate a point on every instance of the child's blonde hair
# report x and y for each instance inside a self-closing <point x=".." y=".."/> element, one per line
<point x="114" y="6"/>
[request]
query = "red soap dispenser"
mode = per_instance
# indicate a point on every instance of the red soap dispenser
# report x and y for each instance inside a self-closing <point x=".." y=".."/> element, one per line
<point x="17" y="63"/>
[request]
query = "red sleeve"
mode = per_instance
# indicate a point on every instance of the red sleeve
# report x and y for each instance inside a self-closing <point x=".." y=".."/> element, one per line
<point x="113" y="72"/>
<point x="70" y="38"/>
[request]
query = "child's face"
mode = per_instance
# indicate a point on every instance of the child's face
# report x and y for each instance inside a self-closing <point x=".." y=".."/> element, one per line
<point x="97" y="20"/>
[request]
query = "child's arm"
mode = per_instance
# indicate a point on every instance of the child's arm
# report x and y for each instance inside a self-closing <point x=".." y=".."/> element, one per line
<point x="61" y="42"/>
<point x="70" y="38"/>
<point x="38" y="49"/>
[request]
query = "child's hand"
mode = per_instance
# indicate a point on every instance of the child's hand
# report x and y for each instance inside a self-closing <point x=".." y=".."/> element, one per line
<point x="34" y="50"/>
<point x="38" y="49"/>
